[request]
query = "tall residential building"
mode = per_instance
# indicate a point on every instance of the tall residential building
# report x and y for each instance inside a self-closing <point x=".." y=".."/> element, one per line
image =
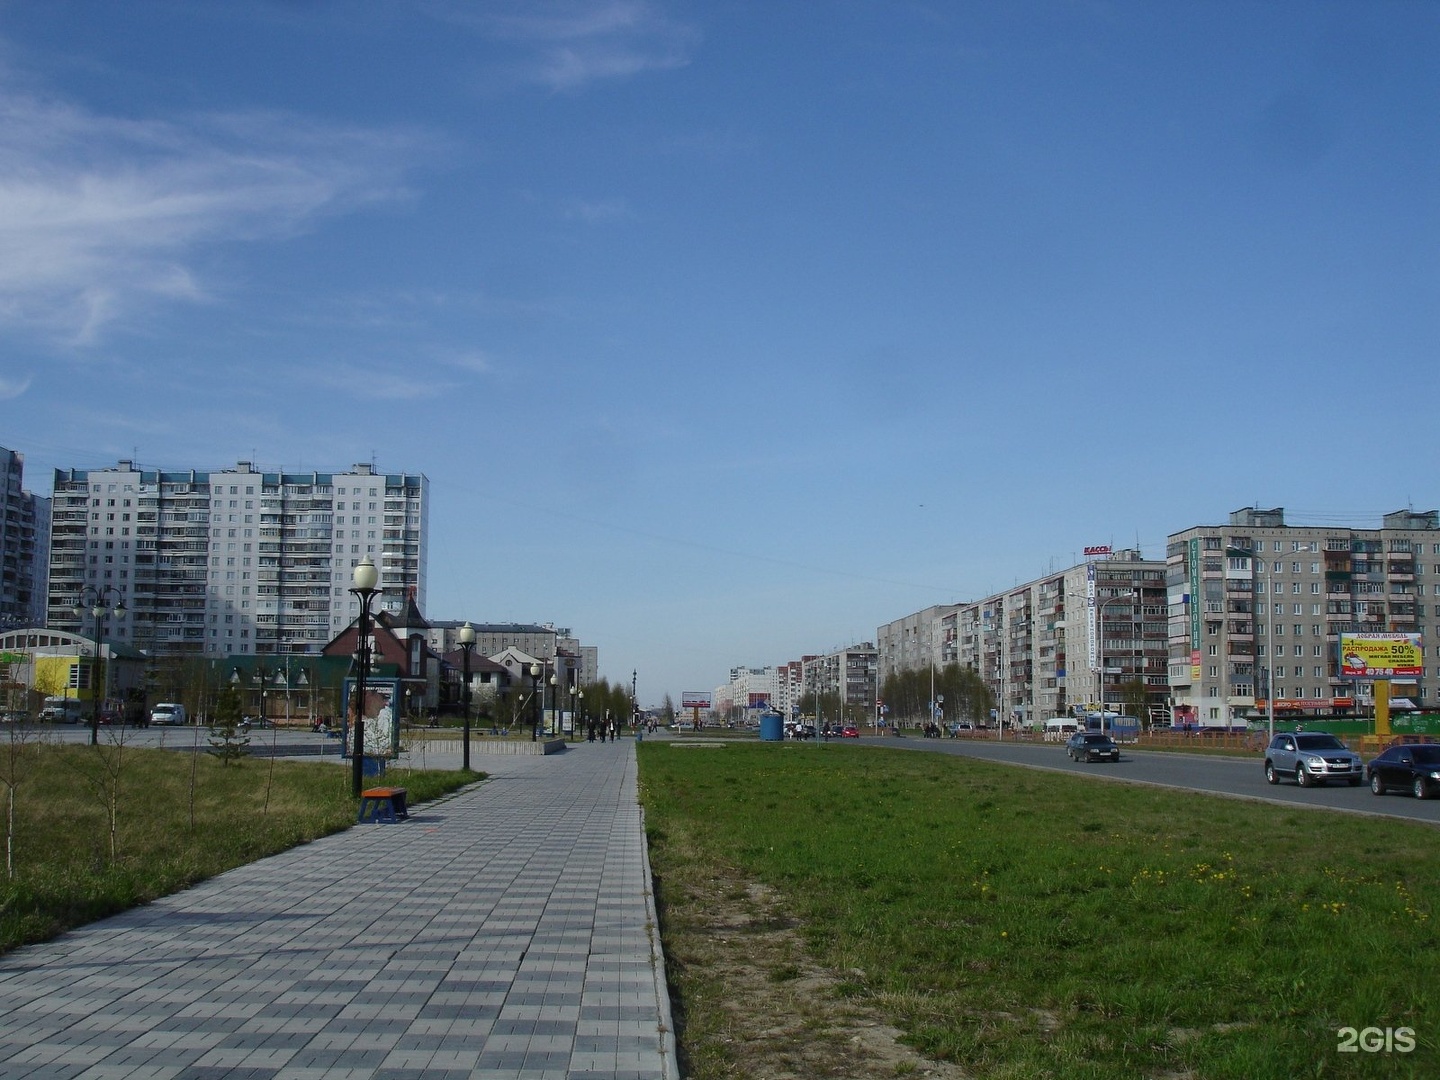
<point x="915" y="642"/>
<point x="24" y="551"/>
<point x="748" y="688"/>
<point x="1258" y="600"/>
<point x="1070" y="639"/>
<point x="849" y="672"/>
<point x="237" y="561"/>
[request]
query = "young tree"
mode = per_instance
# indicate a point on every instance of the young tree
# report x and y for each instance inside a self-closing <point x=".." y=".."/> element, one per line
<point x="17" y="758"/>
<point x="228" y="741"/>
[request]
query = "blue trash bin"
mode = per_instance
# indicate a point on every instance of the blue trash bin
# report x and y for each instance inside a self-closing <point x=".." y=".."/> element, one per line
<point x="772" y="727"/>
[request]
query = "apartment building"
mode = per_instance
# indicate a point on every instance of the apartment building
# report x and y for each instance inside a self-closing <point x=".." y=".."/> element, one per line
<point x="915" y="642"/>
<point x="748" y="688"/>
<point x="232" y="562"/>
<point x="24" y="546"/>
<point x="1073" y="638"/>
<point x="1256" y="608"/>
<point x="543" y="642"/>
<point x="850" y="673"/>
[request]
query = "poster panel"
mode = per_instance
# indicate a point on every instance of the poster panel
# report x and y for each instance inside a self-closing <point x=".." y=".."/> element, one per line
<point x="1380" y="656"/>
<point x="382" y="718"/>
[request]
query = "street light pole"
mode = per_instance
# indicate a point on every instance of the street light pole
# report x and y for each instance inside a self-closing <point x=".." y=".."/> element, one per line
<point x="535" y="670"/>
<point x="467" y="645"/>
<point x="364" y="586"/>
<point x="95" y="598"/>
<point x="555" y="703"/>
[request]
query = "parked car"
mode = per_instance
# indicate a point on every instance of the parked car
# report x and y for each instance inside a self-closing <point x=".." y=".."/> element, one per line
<point x="1312" y="757"/>
<point x="1092" y="746"/>
<point x="1413" y="767"/>
<point x="166" y="712"/>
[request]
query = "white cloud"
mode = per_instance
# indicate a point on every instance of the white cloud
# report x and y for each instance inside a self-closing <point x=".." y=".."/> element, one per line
<point x="99" y="214"/>
<point x="13" y="388"/>
<point x="573" y="43"/>
<point x="594" y="211"/>
<point x="475" y="362"/>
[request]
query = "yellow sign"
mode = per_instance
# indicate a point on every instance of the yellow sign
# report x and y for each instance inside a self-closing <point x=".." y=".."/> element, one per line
<point x="1380" y="656"/>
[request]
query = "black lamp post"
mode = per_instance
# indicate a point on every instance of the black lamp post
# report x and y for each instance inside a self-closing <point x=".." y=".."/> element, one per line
<point x="364" y="582"/>
<point x="574" y="716"/>
<point x="467" y="646"/>
<point x="95" y="597"/>
<point x="535" y="671"/>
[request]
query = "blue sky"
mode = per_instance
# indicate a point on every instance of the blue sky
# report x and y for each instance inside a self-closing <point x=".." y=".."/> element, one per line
<point x="727" y="331"/>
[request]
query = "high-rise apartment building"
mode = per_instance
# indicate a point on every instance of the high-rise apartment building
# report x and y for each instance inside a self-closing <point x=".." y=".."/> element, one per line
<point x="1076" y="638"/>
<point x="24" y="536"/>
<point x="1257" y="608"/>
<point x="915" y="642"/>
<point x="849" y="673"/>
<point x="237" y="561"/>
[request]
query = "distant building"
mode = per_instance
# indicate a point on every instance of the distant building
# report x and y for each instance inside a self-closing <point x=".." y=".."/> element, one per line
<point x="1070" y="640"/>
<point x="1256" y="602"/>
<point x="24" y="546"/>
<point x="850" y="673"/>
<point x="915" y="642"/>
<point x="542" y="642"/>
<point x="748" y="688"/>
<point x="233" y="562"/>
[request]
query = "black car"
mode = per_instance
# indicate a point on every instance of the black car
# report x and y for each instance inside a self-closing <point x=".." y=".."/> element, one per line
<point x="1414" y="767"/>
<point x="1092" y="746"/>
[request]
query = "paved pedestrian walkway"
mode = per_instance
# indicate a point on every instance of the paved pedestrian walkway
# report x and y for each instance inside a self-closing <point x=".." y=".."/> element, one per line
<point x="507" y="932"/>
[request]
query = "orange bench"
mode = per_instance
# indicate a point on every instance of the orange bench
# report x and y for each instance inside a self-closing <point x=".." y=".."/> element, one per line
<point x="382" y="805"/>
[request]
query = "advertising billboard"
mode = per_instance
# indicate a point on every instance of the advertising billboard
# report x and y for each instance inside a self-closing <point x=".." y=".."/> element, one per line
<point x="1380" y="656"/>
<point x="695" y="699"/>
<point x="382" y="722"/>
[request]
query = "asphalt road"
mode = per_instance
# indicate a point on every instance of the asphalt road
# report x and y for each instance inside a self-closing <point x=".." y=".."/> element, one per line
<point x="1208" y="773"/>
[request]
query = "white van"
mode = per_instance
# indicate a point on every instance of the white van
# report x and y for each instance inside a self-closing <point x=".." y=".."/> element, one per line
<point x="66" y="710"/>
<point x="1060" y="728"/>
<point x="166" y="712"/>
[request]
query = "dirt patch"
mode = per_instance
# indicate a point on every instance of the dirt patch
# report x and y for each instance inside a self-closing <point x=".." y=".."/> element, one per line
<point x="749" y="1002"/>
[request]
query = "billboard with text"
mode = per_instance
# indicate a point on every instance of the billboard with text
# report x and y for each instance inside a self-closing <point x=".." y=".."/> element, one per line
<point x="1380" y="656"/>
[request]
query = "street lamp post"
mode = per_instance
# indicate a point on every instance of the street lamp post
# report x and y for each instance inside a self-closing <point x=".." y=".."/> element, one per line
<point x="96" y="597"/>
<point x="364" y="586"/>
<point x="535" y="671"/>
<point x="467" y="646"/>
<point x="554" y="704"/>
<point x="574" y="723"/>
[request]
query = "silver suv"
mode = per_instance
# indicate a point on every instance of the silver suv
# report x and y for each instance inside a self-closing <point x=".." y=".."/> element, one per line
<point x="1312" y="757"/>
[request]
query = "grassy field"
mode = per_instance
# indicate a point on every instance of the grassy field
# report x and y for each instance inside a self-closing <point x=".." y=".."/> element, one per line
<point x="1021" y="924"/>
<point x="71" y="866"/>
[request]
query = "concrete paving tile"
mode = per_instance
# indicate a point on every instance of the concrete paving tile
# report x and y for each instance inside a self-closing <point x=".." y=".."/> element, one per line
<point x="492" y="957"/>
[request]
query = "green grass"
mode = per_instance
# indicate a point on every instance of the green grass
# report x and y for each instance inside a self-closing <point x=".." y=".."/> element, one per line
<point x="1029" y="925"/>
<point x="64" y="872"/>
